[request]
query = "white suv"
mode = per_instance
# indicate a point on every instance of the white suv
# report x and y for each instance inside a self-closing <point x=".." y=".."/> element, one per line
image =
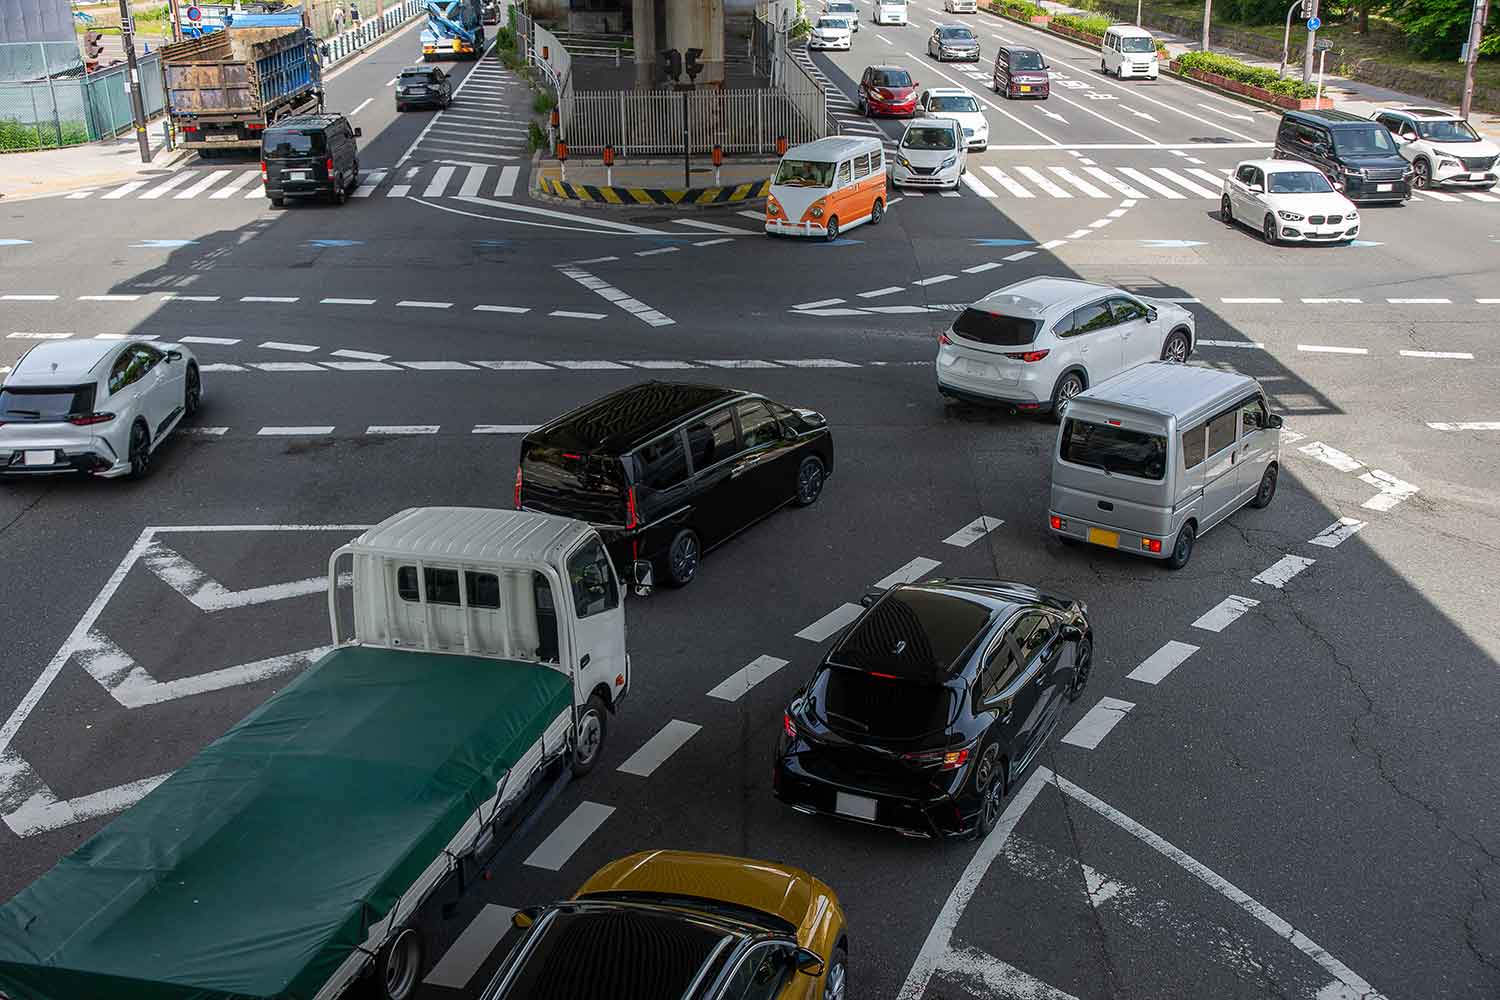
<point x="1442" y="147"/>
<point x="1036" y="344"/>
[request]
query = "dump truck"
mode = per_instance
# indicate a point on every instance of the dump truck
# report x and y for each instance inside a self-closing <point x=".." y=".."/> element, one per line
<point x="315" y="848"/>
<point x="453" y="30"/>
<point x="224" y="88"/>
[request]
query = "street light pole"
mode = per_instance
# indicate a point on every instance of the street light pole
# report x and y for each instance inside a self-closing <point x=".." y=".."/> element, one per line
<point x="1208" y="10"/>
<point x="1476" y="35"/>
<point x="1286" y="39"/>
<point x="137" y="106"/>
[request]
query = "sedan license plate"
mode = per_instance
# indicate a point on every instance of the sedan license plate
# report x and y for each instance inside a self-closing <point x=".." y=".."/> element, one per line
<point x="854" y="805"/>
<point x="1385" y="187"/>
<point x="39" y="458"/>
<point x="296" y="175"/>
<point x="1025" y="88"/>
<point x="1101" y="537"/>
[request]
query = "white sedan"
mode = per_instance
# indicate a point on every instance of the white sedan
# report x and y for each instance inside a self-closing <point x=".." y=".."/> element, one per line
<point x="962" y="106"/>
<point x="831" y="33"/>
<point x="100" y="407"/>
<point x="1289" y="202"/>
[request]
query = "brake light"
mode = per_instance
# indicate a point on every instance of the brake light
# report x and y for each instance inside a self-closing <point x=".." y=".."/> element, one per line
<point x="1028" y="356"/>
<point x="569" y="454"/>
<point x="889" y="677"/>
<point x="328" y="164"/>
<point x="262" y="169"/>
<point x="788" y="726"/>
<point x="630" y="516"/>
<point x="944" y="340"/>
<point x="1151" y="544"/>
<point x="256" y="126"/>
<point x="943" y="760"/>
<point x="90" y="419"/>
<point x="190" y="128"/>
<point x="1112" y="423"/>
<point x="1056" y="522"/>
<point x="518" y="487"/>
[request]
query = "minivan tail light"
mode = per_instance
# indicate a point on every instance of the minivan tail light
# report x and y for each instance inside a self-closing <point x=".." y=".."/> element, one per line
<point x="518" y="487"/>
<point x="631" y="520"/>
<point x="1027" y="356"/>
<point x="788" y="726"/>
<point x="328" y="164"/>
<point x="89" y="419"/>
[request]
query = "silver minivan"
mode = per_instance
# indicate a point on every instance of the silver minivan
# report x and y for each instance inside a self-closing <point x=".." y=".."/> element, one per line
<point x="1150" y="459"/>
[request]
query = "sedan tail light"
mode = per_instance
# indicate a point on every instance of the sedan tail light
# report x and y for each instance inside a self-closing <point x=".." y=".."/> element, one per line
<point x="943" y="339"/>
<point x="943" y="760"/>
<point x="788" y="726"/>
<point x="89" y="419"/>
<point x="1028" y="356"/>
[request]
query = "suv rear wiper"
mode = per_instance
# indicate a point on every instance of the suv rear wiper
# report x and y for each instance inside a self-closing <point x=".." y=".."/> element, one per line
<point x="862" y="727"/>
<point x="24" y="413"/>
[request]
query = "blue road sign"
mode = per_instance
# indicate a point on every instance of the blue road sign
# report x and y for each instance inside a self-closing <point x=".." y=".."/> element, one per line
<point x="194" y="14"/>
<point x="1314" y="23"/>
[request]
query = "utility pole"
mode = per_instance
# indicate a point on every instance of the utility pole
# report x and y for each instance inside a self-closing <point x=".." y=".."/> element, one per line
<point x="1208" y="10"/>
<point x="176" y="16"/>
<point x="1312" y="44"/>
<point x="137" y="106"/>
<point x="1471" y="56"/>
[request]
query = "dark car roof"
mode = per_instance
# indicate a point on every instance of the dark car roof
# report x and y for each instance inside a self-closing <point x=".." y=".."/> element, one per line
<point x="1332" y="119"/>
<point x="624" y="420"/>
<point x="298" y="123"/>
<point x="923" y="631"/>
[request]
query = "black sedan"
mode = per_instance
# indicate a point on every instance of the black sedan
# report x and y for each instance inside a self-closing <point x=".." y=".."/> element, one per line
<point x="932" y="704"/>
<point x="423" y="87"/>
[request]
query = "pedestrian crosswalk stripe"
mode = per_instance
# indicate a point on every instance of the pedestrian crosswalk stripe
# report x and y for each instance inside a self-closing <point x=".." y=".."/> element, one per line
<point x="228" y="190"/>
<point x="1183" y="182"/>
<point x="506" y="186"/>
<point x="398" y="191"/>
<point x="209" y="180"/>
<point x="472" y="182"/>
<point x="483" y="156"/>
<point x="1078" y="182"/>
<point x="1439" y="196"/>
<point x="167" y="184"/>
<point x="369" y="183"/>
<point x="1036" y="177"/>
<point x="1114" y="182"/>
<point x="439" y="182"/>
<point x="1007" y="182"/>
<point x="125" y="189"/>
<point x="1215" y="182"/>
<point x="977" y="186"/>
<point x="1147" y="182"/>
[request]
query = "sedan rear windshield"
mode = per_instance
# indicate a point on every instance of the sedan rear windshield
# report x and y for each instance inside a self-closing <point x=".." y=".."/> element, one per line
<point x="1115" y="450"/>
<point x="46" y="403"/>
<point x="420" y="77"/>
<point x="291" y="145"/>
<point x="1025" y="60"/>
<point x="1299" y="182"/>
<point x="890" y="78"/>
<point x="859" y="704"/>
<point x="956" y="33"/>
<point x="998" y="329"/>
<point x="928" y="138"/>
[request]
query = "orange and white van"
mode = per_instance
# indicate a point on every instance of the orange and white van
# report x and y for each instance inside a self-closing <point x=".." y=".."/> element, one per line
<point x="827" y="187"/>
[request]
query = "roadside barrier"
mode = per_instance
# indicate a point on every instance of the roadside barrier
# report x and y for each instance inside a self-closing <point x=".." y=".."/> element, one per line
<point x="347" y="43"/>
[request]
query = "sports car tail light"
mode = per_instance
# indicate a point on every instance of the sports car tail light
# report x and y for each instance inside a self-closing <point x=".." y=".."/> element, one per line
<point x="518" y="487"/>
<point x="89" y="419"/>
<point x="788" y="726"/>
<point x="1028" y="356"/>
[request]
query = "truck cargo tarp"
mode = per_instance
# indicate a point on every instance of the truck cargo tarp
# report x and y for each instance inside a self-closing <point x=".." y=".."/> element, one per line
<point x="256" y="868"/>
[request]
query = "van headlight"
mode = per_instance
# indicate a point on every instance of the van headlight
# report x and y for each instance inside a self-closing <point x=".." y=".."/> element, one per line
<point x="817" y="212"/>
<point x="773" y="207"/>
<point x="949" y="162"/>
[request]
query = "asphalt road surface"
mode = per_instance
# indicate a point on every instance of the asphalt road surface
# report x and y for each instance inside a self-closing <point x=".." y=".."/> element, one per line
<point x="1304" y="806"/>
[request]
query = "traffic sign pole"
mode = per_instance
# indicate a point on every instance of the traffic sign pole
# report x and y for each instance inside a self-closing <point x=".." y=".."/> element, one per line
<point x="1312" y="41"/>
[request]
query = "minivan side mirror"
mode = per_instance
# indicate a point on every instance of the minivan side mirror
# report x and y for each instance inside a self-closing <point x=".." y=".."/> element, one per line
<point x="642" y="572"/>
<point x="358" y="132"/>
<point x="1274" y="421"/>
<point x="807" y="962"/>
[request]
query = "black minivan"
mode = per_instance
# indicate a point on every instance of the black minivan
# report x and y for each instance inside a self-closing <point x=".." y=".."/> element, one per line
<point x="666" y="471"/>
<point x="308" y="156"/>
<point x="1358" y="155"/>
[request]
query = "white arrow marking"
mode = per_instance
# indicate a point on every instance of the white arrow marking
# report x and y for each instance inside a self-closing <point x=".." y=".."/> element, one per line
<point x="208" y="594"/>
<point x="1053" y="114"/>
<point x="1226" y="114"/>
<point x="1139" y="114"/>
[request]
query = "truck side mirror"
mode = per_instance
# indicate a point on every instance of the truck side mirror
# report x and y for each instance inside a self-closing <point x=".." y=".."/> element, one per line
<point x="1274" y="421"/>
<point x="643" y="574"/>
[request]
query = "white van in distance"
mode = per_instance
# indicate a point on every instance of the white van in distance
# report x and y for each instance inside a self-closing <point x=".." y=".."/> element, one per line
<point x="890" y="12"/>
<point x="1128" y="50"/>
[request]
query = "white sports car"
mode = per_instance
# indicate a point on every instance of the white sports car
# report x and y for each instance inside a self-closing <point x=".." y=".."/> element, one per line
<point x="1289" y="202"/>
<point x="99" y="407"/>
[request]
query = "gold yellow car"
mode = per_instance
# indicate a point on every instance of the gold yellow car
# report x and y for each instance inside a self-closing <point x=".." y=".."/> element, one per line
<point x="675" y="925"/>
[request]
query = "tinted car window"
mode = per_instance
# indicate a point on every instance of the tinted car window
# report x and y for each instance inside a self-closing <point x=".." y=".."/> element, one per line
<point x="1299" y="182"/>
<point x="1125" y="310"/>
<point x="592" y="579"/>
<point x="1193" y="446"/>
<point x="1447" y="131"/>
<point x="962" y="34"/>
<point x="290" y="145"/>
<point x="957" y="103"/>
<point x="712" y="439"/>
<point x="1092" y="318"/>
<point x="1221" y="431"/>
<point x="757" y="425"/>
<point x="663" y="463"/>
<point x="928" y="137"/>
<point x="1116" y="450"/>
<point x="442" y="586"/>
<point x="420" y="76"/>
<point x="50" y="403"/>
<point x="995" y="328"/>
<point x="860" y="703"/>
<point x="588" y="487"/>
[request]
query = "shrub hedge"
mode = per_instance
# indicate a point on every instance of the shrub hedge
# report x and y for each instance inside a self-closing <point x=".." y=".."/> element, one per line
<point x="1255" y="76"/>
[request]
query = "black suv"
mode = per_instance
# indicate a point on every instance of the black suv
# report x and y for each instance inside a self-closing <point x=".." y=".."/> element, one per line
<point x="929" y="708"/>
<point x="423" y="86"/>
<point x="1358" y="155"/>
<point x="310" y="156"/>
<point x="666" y="471"/>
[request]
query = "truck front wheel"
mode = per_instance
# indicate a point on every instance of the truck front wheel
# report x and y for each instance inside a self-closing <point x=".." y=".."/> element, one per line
<point x="588" y="742"/>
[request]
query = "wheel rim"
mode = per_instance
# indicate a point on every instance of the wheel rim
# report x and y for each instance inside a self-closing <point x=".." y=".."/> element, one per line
<point x="1184" y="544"/>
<point x="685" y="558"/>
<point x="140" y="454"/>
<point x="810" y="481"/>
<point x="1177" y="348"/>
<point x="1071" y="386"/>
<point x="833" y="230"/>
<point x="1268" y="485"/>
<point x="1081" y="668"/>
<point x="1270" y="230"/>
<point x="833" y="987"/>
<point x="401" y="965"/>
<point x="194" y="390"/>
<point x="1225" y="211"/>
<point x="994" y="787"/>
<point x="1420" y="178"/>
<point x="589" y="734"/>
<point x="878" y="211"/>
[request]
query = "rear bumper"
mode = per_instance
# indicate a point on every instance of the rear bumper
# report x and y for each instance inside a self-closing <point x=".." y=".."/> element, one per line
<point x="934" y="818"/>
<point x="1131" y="542"/>
<point x="1037" y="90"/>
<point x="87" y="461"/>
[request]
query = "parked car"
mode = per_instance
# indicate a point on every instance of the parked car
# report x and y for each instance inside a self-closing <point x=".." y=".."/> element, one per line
<point x="1129" y="50"/>
<point x="1288" y="202"/>
<point x="887" y="90"/>
<point x="490" y="12"/>
<point x="831" y="32"/>
<point x="953" y="41"/>
<point x="961" y="106"/>
<point x="1021" y="71"/>
<point x="1035" y="344"/>
<point x="310" y="156"/>
<point x="845" y="9"/>
<point x="1359" y="156"/>
<point x="667" y="471"/>
<point x="423" y="87"/>
<point x="100" y="407"/>
<point x="928" y="710"/>
<point x="1444" y="150"/>
<point x="683" y="925"/>
<point x="931" y="154"/>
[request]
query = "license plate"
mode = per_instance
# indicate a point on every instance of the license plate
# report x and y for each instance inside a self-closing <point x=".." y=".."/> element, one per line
<point x="1101" y="537"/>
<point x="220" y="138"/>
<point x="1477" y="176"/>
<point x="854" y="805"/>
<point x="1025" y="88"/>
<point x="1385" y="187"/>
<point x="296" y="175"/>
<point x="39" y="458"/>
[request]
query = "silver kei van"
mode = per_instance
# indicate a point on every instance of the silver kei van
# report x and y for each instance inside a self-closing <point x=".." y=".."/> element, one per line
<point x="1149" y="460"/>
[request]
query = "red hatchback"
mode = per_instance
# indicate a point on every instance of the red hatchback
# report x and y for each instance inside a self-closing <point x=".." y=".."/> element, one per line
<point x="887" y="90"/>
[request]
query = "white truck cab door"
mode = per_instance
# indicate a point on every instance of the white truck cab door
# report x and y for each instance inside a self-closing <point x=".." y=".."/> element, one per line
<point x="598" y="619"/>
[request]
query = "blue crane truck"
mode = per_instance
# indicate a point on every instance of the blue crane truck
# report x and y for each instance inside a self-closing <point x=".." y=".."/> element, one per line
<point x="454" y="29"/>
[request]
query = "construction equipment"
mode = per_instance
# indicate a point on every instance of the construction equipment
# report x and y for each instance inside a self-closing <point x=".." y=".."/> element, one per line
<point x="454" y="30"/>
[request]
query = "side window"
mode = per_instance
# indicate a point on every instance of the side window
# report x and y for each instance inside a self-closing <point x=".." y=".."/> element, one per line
<point x="592" y="580"/>
<point x="844" y="173"/>
<point x="120" y="374"/>
<point x="442" y="586"/>
<point x="862" y="166"/>
<point x="876" y="163"/>
<point x="1126" y="310"/>
<point x="1258" y="176"/>
<point x="1064" y="326"/>
<point x="757" y="426"/>
<point x="1193" y="446"/>
<point x="1221" y="431"/>
<point x="761" y="974"/>
<point x="712" y="439"/>
<point x="1244" y="174"/>
<point x="1092" y="318"/>
<point x="1032" y="644"/>
<point x="131" y="365"/>
<point x="663" y="462"/>
<point x="1253" y="414"/>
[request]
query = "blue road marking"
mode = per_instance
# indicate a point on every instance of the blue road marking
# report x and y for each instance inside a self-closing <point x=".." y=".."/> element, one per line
<point x="335" y="243"/>
<point x="162" y="244"/>
<point x="1365" y="243"/>
<point x="1003" y="243"/>
<point x="840" y="242"/>
<point x="14" y="243"/>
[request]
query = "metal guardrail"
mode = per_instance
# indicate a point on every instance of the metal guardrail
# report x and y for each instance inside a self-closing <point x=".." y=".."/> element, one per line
<point x="662" y="122"/>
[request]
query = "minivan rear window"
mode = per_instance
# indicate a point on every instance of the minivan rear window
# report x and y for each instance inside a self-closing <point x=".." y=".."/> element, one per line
<point x="46" y="402"/>
<point x="1116" y="450"/>
<point x="857" y="704"/>
<point x="290" y="145"/>
<point x="589" y="487"/>
<point x="995" y="328"/>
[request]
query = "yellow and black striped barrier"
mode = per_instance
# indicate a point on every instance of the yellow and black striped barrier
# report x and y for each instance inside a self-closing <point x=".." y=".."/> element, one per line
<point x="726" y="195"/>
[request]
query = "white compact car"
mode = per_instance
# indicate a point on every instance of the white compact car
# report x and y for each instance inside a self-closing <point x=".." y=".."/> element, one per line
<point x="1036" y="344"/>
<point x="831" y="32"/>
<point x="1444" y="150"/>
<point x="846" y="9"/>
<point x="963" y="107"/>
<point x="931" y="154"/>
<point x="1289" y="202"/>
<point x="99" y="407"/>
<point x="890" y="12"/>
<point x="960" y="6"/>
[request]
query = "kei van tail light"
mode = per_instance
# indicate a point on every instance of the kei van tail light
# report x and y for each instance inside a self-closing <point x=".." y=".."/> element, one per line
<point x="518" y="487"/>
<point x="1151" y="545"/>
<point x="1030" y="357"/>
<point x="1056" y="522"/>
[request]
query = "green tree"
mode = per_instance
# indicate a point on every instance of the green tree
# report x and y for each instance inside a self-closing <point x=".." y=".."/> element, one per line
<point x="1435" y="29"/>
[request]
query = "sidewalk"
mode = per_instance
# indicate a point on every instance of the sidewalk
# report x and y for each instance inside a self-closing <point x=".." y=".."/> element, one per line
<point x="656" y="182"/>
<point x="94" y="164"/>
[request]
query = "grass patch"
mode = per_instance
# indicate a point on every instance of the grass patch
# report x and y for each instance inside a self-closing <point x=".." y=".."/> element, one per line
<point x="16" y="136"/>
<point x="535" y="138"/>
<point x="1017" y="8"/>
<point x="543" y="102"/>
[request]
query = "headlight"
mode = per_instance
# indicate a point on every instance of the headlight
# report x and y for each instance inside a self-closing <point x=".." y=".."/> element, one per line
<point x="904" y="162"/>
<point x="1355" y="171"/>
<point x="1351" y="214"/>
<point x="817" y="212"/>
<point x="773" y="206"/>
<point x="949" y="162"/>
<point x="1448" y="162"/>
<point x="1290" y="216"/>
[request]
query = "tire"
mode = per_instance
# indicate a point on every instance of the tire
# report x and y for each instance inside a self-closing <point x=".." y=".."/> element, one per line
<point x="989" y="779"/>
<point x="593" y="730"/>
<point x="877" y="212"/>
<point x="1103" y="68"/>
<point x="1267" y="490"/>
<point x="1226" y="211"/>
<point x="192" y="393"/>
<point x="278" y="202"/>
<point x="1421" y="178"/>
<point x="1175" y="347"/>
<point x="833" y="228"/>
<point x="1182" y="549"/>
<point x="401" y="965"/>
<point x="140" y="451"/>
<point x="1084" y="662"/>
<point x="810" y="479"/>
<point x="1070" y="385"/>
<point x="1268" y="231"/>
<point x="683" y="557"/>
<point x="339" y="194"/>
<point x="863" y="108"/>
<point x="836" y="975"/>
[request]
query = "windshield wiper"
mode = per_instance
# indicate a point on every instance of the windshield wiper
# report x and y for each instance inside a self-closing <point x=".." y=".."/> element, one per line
<point x="831" y="715"/>
<point x="24" y="413"/>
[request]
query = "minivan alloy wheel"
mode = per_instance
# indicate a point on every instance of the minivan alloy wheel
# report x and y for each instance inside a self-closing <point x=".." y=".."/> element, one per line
<point x="682" y="558"/>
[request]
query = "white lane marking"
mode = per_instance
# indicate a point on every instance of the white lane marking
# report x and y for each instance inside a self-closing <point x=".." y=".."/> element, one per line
<point x="814" y="363"/>
<point x="419" y="304"/>
<point x="360" y="106"/>
<point x="1099" y="224"/>
<point x="1225" y="613"/>
<point x="43" y="811"/>
<point x="570" y="314"/>
<point x="41" y="336"/>
<point x="1183" y="182"/>
<point x="398" y="190"/>
<point x="1420" y="302"/>
<point x="608" y="292"/>
<point x="223" y="368"/>
<point x="1051" y="244"/>
<point x="738" y="363"/>
<point x="831" y="623"/>
<point x="167" y="185"/>
<point x="712" y="227"/>
<point x="294" y="431"/>
<point x="1451" y="355"/>
<point x="1337" y="532"/>
<point x="402" y="429"/>
<point x="1392" y="490"/>
<point x="233" y="187"/>
<point x="914" y="570"/>
<point x="714" y="243"/>
<point x="286" y="366"/>
<point x="595" y="223"/>
<point x="655" y="751"/>
<point x="1225" y="888"/>
<point x="1326" y="302"/>
<point x="1326" y="349"/>
<point x="276" y="345"/>
<point x="589" y="366"/>
<point x="948" y="194"/>
<point x="977" y="186"/>
<point x="1279" y="573"/>
<point x="981" y="268"/>
<point x="1089" y="189"/>
<point x="1248" y="344"/>
<point x="478" y="940"/>
<point x="436" y="366"/>
<point x="981" y="974"/>
<point x="504" y="428"/>
<point x="1114" y="182"/>
<point x="360" y="366"/>
<point x="818" y="304"/>
<point x="473" y="180"/>
<point x="1036" y="177"/>
<point x="887" y="290"/>
<point x="85" y="193"/>
<point x="283" y="299"/>
<point x="737" y="684"/>
<point x="505" y="187"/>
<point x="226" y="341"/>
<point x="28" y="298"/>
<point x="597" y="260"/>
<point x="514" y="310"/>
<point x="1488" y="302"/>
<point x="1150" y="183"/>
<point x="1097" y="723"/>
<point x="1465" y="425"/>
<point x="1251" y="301"/>
<point x="346" y="302"/>
<point x="213" y="177"/>
<point x="1213" y="181"/>
<point x="1439" y="196"/>
<point x="1117" y="213"/>
<point x="934" y="280"/>
<point x="178" y="297"/>
<point x="1019" y="255"/>
<point x="439" y="182"/>
<point x="973" y="531"/>
<point x="653" y="365"/>
<point x="361" y="355"/>
<point x="1162" y="662"/>
<point x="658" y="250"/>
<point x="129" y="298"/>
<point x="569" y="836"/>
<point x="1329" y="455"/>
<point x="206" y="431"/>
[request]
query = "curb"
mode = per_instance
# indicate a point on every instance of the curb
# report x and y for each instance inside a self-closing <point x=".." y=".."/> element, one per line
<point x="636" y="197"/>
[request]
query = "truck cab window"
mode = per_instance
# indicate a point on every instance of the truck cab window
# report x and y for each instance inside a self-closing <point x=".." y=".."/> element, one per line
<point x="442" y="587"/>
<point x="592" y="580"/>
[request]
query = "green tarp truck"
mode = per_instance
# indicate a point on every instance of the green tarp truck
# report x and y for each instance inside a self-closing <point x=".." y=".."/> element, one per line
<point x="313" y="846"/>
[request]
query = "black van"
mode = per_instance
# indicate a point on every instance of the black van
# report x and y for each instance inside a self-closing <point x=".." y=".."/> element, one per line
<point x="1358" y="155"/>
<point x="666" y="471"/>
<point x="310" y="155"/>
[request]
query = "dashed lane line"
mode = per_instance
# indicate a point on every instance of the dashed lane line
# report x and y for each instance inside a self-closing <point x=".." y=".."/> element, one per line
<point x="569" y="836"/>
<point x="655" y="751"/>
<point x="739" y="683"/>
<point x="1097" y="723"/>
<point x="1225" y="613"/>
<point x="1338" y="532"/>
<point x="1154" y="668"/>
<point x="1281" y="572"/>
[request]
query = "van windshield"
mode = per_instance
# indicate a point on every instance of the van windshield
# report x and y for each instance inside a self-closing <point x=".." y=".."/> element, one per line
<point x="1363" y="141"/>
<point x="291" y="145"/>
<point x="1115" y="450"/>
<point x="804" y="173"/>
<point x="995" y="328"/>
<point x="890" y="78"/>
<point x="1135" y="43"/>
<point x="1025" y="59"/>
<point x="928" y="137"/>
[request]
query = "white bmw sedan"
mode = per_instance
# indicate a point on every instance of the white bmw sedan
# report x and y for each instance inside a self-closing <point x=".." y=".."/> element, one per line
<point x="99" y="407"/>
<point x="1289" y="202"/>
<point x="831" y="32"/>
